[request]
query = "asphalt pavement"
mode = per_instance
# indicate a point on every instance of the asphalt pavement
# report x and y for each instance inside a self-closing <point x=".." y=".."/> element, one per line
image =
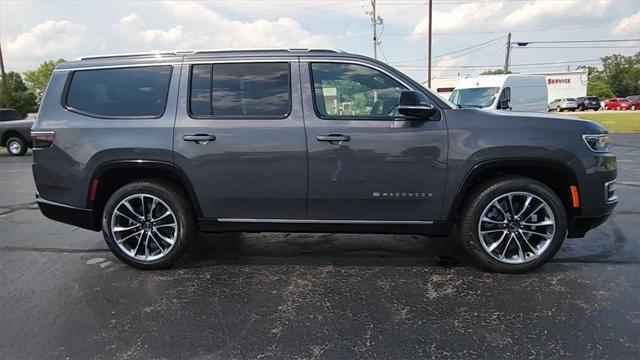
<point x="329" y="296"/>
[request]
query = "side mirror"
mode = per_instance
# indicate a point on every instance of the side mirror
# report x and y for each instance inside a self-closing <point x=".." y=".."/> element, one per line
<point x="505" y="99"/>
<point x="415" y="106"/>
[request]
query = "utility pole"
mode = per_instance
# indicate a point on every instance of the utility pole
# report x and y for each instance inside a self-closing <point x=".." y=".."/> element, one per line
<point x="507" y="58"/>
<point x="375" y="21"/>
<point x="429" y="66"/>
<point x="4" y="81"/>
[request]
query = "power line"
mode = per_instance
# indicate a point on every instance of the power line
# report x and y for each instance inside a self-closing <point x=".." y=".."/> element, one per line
<point x="573" y="41"/>
<point x="452" y="52"/>
<point x="512" y="65"/>
<point x="578" y="47"/>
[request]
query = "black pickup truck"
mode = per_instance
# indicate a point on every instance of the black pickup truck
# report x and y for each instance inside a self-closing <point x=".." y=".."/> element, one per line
<point x="15" y="132"/>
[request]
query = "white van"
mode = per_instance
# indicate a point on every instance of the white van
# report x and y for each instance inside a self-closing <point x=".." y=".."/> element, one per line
<point x="502" y="92"/>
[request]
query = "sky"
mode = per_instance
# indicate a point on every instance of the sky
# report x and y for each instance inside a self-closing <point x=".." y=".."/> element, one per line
<point x="469" y="36"/>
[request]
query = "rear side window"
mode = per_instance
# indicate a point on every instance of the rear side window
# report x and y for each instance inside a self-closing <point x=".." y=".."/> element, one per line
<point x="9" y="115"/>
<point x="135" y="92"/>
<point x="251" y="90"/>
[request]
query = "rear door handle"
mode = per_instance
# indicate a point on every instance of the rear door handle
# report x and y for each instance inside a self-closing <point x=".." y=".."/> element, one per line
<point x="333" y="137"/>
<point x="199" y="138"/>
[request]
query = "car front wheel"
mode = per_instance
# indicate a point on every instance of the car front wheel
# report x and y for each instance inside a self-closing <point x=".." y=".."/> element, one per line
<point x="147" y="224"/>
<point x="16" y="146"/>
<point x="512" y="224"/>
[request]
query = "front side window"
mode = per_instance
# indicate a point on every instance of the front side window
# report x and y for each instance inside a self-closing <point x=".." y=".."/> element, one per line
<point x="349" y="90"/>
<point x="121" y="92"/>
<point x="240" y="90"/>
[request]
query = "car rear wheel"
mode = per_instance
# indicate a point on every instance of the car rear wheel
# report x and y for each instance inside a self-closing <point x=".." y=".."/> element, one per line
<point x="512" y="224"/>
<point x="16" y="146"/>
<point x="147" y="224"/>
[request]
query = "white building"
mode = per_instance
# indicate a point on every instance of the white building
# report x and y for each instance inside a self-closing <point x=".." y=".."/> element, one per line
<point x="559" y="84"/>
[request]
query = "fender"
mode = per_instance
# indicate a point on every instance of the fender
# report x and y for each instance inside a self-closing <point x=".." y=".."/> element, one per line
<point x="497" y="164"/>
<point x="146" y="164"/>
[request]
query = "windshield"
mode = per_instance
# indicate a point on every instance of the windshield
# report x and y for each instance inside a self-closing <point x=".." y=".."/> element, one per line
<point x="474" y="97"/>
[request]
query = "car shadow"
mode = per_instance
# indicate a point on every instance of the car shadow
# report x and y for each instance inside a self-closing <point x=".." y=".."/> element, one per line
<point x="321" y="249"/>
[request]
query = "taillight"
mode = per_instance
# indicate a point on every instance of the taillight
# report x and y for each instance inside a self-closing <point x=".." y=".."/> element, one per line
<point x="42" y="139"/>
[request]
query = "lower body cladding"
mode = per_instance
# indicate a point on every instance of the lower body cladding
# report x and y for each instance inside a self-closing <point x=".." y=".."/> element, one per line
<point x="87" y="219"/>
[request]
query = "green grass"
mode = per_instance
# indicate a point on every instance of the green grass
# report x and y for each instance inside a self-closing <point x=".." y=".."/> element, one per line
<point x="626" y="121"/>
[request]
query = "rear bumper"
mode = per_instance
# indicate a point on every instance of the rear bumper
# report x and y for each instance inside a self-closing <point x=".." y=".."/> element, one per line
<point x="83" y="218"/>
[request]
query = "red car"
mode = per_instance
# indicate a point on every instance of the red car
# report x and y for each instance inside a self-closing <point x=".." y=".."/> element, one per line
<point x="634" y="101"/>
<point x="617" y="104"/>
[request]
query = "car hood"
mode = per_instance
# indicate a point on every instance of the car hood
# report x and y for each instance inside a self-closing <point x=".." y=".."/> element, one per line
<point x="540" y="120"/>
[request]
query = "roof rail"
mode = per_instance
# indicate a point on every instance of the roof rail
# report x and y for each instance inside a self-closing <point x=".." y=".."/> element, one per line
<point x="203" y="51"/>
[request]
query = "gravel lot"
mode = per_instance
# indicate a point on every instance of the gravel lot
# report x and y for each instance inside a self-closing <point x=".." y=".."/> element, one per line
<point x="63" y="295"/>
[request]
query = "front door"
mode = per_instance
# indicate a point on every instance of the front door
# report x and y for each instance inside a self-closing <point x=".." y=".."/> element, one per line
<point x="366" y="162"/>
<point x="239" y="137"/>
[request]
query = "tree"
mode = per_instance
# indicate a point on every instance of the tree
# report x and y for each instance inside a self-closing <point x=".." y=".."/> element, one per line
<point x="598" y="84"/>
<point x="600" y="88"/>
<point x="20" y="98"/>
<point x="494" y="72"/>
<point x="37" y="80"/>
<point x="622" y="73"/>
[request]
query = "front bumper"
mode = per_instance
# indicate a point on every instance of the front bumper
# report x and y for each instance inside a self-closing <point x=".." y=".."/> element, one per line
<point x="579" y="225"/>
<point x="83" y="218"/>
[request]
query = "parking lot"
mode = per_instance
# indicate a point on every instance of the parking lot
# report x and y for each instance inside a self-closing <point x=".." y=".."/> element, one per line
<point x="64" y="295"/>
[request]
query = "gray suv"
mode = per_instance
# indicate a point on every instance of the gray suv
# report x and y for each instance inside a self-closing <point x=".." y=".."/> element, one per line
<point x="151" y="148"/>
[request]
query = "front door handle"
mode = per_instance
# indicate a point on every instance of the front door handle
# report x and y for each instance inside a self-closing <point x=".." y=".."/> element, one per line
<point x="333" y="137"/>
<point x="199" y="138"/>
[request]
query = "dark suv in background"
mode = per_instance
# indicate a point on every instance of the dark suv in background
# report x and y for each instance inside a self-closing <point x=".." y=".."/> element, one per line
<point x="151" y="148"/>
<point x="588" y="103"/>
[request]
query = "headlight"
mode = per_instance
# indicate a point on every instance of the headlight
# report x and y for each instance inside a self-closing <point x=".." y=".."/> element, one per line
<point x="597" y="143"/>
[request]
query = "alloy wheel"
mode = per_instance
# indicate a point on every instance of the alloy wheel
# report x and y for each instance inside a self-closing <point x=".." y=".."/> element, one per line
<point x="144" y="227"/>
<point x="516" y="227"/>
<point x="15" y="147"/>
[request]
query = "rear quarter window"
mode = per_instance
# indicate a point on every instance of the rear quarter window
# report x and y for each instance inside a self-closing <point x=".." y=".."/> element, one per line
<point x="133" y="92"/>
<point x="9" y="115"/>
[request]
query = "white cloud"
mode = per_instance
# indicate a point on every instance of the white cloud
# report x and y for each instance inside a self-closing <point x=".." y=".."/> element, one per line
<point x="226" y="33"/>
<point x="441" y="67"/>
<point x="131" y="19"/>
<point x="459" y="17"/>
<point x="47" y="39"/>
<point x="171" y="36"/>
<point x="539" y="11"/>
<point x="629" y="26"/>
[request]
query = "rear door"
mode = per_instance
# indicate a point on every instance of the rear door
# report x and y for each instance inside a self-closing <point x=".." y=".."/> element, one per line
<point x="239" y="137"/>
<point x="366" y="162"/>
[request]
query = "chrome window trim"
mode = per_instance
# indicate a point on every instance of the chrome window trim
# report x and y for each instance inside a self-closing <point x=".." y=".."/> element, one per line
<point x="303" y="221"/>
<point x="357" y="62"/>
<point x="116" y="66"/>
<point x="239" y="60"/>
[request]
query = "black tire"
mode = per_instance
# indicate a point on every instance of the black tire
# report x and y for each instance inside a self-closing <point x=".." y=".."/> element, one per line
<point x="481" y="196"/>
<point x="559" y="109"/>
<point x="16" y="146"/>
<point x="175" y="199"/>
